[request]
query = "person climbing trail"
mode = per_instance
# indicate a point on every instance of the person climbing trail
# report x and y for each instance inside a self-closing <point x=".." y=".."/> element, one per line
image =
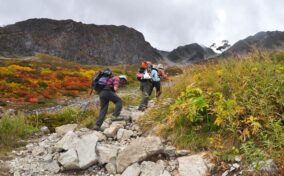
<point x="146" y="85"/>
<point x="157" y="74"/>
<point x="106" y="85"/>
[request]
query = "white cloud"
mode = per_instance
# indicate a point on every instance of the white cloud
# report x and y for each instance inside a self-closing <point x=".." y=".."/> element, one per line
<point x="166" y="24"/>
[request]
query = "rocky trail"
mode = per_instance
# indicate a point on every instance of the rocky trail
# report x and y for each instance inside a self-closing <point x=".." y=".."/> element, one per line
<point x="120" y="150"/>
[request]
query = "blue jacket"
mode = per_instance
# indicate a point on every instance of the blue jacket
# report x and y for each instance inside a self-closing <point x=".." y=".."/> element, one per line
<point x="155" y="76"/>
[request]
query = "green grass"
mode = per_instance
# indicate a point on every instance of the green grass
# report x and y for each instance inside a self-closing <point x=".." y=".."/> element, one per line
<point x="12" y="129"/>
<point x="227" y="106"/>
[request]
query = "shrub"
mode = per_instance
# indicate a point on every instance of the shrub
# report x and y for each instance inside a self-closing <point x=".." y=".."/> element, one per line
<point x="226" y="104"/>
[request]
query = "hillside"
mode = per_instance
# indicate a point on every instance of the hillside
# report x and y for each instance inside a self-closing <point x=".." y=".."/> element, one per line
<point x="190" y="53"/>
<point x="75" y="41"/>
<point x="271" y="40"/>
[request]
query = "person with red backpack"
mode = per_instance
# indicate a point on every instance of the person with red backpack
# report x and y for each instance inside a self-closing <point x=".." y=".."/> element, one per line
<point x="146" y="86"/>
<point x="106" y="85"/>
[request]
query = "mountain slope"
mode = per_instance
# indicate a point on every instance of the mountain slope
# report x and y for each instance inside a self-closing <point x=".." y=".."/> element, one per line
<point x="190" y="53"/>
<point x="83" y="43"/>
<point x="271" y="40"/>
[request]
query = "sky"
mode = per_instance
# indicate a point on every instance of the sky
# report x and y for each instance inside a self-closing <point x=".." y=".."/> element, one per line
<point x="166" y="24"/>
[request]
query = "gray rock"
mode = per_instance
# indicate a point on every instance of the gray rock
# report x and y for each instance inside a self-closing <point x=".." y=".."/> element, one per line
<point x="37" y="151"/>
<point x="101" y="136"/>
<point x="194" y="165"/>
<point x="52" y="167"/>
<point x="69" y="160"/>
<point x="182" y="152"/>
<point x="226" y="173"/>
<point x="149" y="168"/>
<point x="86" y="149"/>
<point x="267" y="166"/>
<point x="44" y="130"/>
<point x="138" y="150"/>
<point x="106" y="153"/>
<point x="114" y="127"/>
<point x="62" y="130"/>
<point x="110" y="168"/>
<point x="124" y="134"/>
<point x="69" y="141"/>
<point x="133" y="170"/>
<point x="170" y="151"/>
<point x="136" y="115"/>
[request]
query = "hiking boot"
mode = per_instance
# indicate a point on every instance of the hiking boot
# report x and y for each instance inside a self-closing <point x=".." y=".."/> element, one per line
<point x="119" y="118"/>
<point x="96" y="128"/>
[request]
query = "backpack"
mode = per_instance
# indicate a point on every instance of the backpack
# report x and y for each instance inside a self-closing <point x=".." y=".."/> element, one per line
<point x="100" y="80"/>
<point x="143" y="73"/>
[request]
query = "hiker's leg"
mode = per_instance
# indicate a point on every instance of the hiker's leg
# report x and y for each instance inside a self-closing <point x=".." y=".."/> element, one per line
<point x="117" y="101"/>
<point x="104" y="107"/>
<point x="158" y="89"/>
<point x="142" y="105"/>
<point x="147" y="88"/>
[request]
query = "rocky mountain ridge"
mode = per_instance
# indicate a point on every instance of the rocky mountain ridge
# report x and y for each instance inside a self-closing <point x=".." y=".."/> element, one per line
<point x="75" y="41"/>
<point x="191" y="53"/>
<point x="270" y="40"/>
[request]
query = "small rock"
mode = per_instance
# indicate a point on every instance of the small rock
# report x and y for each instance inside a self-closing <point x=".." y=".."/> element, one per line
<point x="149" y="168"/>
<point x="62" y="130"/>
<point x="236" y="165"/>
<point x="226" y="173"/>
<point x="170" y="151"/>
<point x="124" y="134"/>
<point x="52" y="167"/>
<point x="196" y="165"/>
<point x="238" y="159"/>
<point x="110" y="168"/>
<point x="133" y="170"/>
<point x="44" y="130"/>
<point x="69" y="141"/>
<point x="114" y="127"/>
<point x="268" y="166"/>
<point x="182" y="152"/>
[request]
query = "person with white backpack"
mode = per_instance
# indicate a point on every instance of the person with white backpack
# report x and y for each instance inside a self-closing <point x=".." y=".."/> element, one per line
<point x="146" y="85"/>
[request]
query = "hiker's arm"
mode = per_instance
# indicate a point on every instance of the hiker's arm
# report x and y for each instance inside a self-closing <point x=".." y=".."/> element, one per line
<point x="115" y="84"/>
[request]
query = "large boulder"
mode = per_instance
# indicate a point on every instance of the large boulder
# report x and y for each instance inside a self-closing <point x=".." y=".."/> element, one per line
<point x="86" y="149"/>
<point x="138" y="150"/>
<point x="81" y="151"/>
<point x="62" y="130"/>
<point x="69" y="141"/>
<point x="194" y="165"/>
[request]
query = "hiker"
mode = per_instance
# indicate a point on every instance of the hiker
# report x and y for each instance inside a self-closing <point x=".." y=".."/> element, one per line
<point x="146" y="86"/>
<point x="157" y="74"/>
<point x="108" y="86"/>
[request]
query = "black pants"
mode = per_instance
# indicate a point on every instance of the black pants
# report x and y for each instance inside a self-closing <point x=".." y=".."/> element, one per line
<point x="146" y="87"/>
<point x="105" y="97"/>
<point x="157" y="86"/>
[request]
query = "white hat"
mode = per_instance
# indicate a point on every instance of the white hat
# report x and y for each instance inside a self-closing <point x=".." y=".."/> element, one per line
<point x="122" y="77"/>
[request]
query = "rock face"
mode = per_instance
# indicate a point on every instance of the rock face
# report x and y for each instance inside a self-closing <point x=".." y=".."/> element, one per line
<point x="138" y="150"/>
<point x="190" y="53"/>
<point x="75" y="41"/>
<point x="271" y="40"/>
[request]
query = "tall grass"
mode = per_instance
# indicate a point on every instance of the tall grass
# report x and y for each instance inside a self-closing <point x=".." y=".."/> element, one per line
<point x="12" y="129"/>
<point x="223" y="105"/>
